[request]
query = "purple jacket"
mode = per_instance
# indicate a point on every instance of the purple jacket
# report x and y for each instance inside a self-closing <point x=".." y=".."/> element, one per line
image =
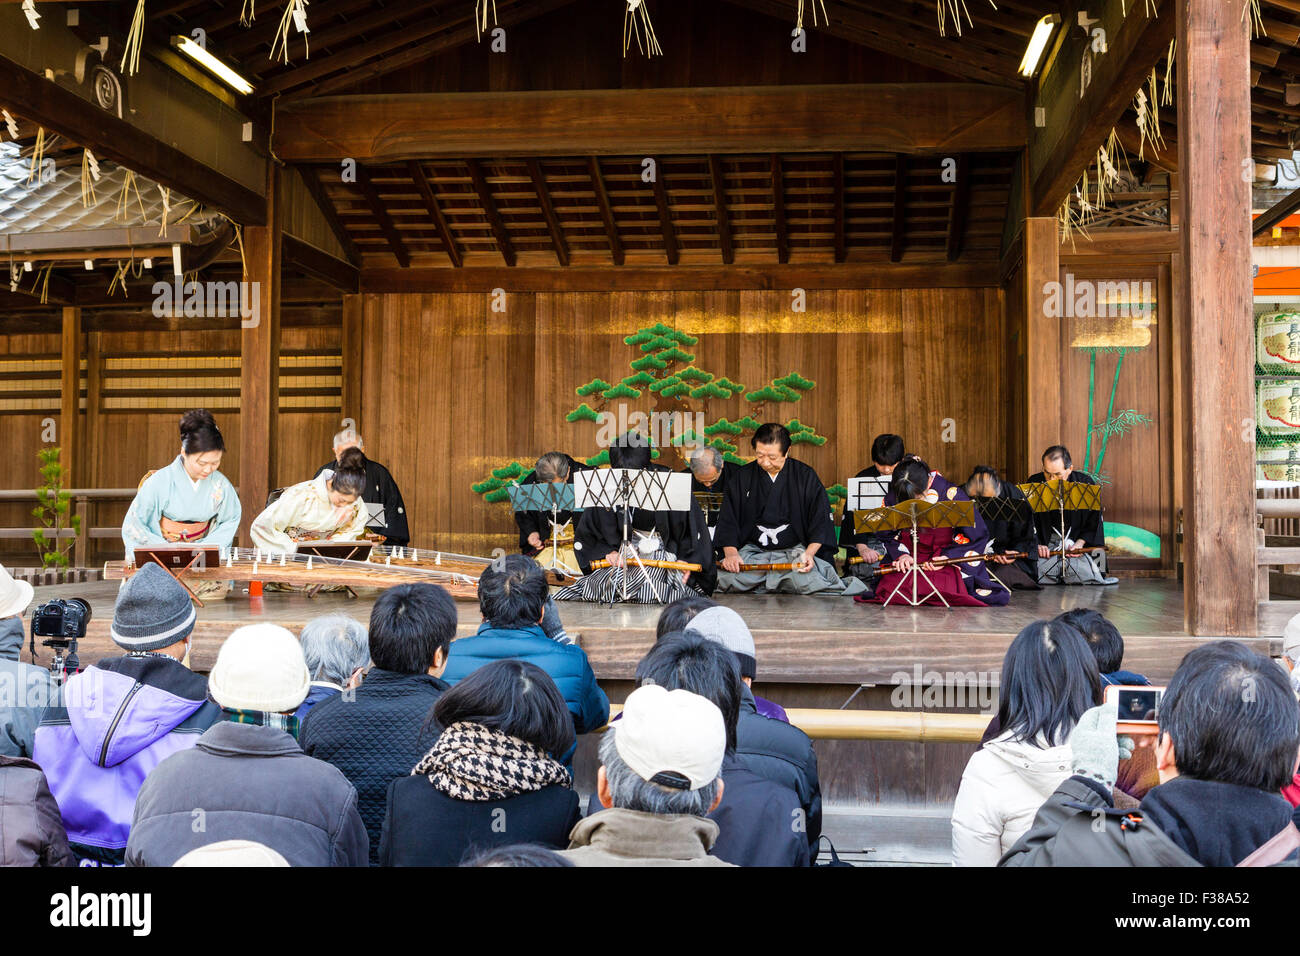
<point x="121" y="718"/>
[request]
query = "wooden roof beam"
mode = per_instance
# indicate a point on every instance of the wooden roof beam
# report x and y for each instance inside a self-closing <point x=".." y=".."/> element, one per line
<point x="606" y="210"/>
<point x="311" y="179"/>
<point x="905" y="118"/>
<point x="665" y="214"/>
<point x="435" y="213"/>
<point x="558" y="242"/>
<point x="489" y="204"/>
<point x="900" y="210"/>
<point x="395" y="244"/>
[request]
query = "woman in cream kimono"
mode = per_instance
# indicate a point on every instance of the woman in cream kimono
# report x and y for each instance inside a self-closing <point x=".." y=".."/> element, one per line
<point x="326" y="508"/>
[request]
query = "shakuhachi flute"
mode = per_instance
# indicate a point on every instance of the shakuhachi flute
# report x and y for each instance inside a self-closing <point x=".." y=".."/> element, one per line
<point x="653" y="563"/>
<point x="787" y="566"/>
<point x="939" y="562"/>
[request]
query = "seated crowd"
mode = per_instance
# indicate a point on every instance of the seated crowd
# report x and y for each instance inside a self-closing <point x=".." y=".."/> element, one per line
<point x="396" y="745"/>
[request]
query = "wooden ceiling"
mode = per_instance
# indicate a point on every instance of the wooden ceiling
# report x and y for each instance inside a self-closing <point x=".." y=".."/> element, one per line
<point x="714" y="209"/>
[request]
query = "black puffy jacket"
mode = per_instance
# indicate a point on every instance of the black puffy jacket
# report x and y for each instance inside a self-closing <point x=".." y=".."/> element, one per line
<point x="375" y="737"/>
<point x="783" y="754"/>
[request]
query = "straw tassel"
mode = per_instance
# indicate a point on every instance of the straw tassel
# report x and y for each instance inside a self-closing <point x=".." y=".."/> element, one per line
<point x="636" y="10"/>
<point x="134" y="41"/>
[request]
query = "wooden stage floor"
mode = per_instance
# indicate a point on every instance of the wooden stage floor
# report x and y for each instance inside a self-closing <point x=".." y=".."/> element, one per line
<point x="800" y="639"/>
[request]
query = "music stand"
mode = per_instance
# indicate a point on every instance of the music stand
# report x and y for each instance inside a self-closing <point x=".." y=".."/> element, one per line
<point x="622" y="489"/>
<point x="358" y="550"/>
<point x="1059" y="495"/>
<point x="867" y="493"/>
<point x="545" y="496"/>
<point x="912" y="515"/>
<point x="177" y="559"/>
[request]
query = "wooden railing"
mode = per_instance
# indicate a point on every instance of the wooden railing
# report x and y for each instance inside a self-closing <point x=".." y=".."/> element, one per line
<point x="899" y="725"/>
<point x="83" y="499"/>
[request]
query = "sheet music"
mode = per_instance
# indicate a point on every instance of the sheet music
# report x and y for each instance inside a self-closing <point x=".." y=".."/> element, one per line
<point x="652" y="490"/>
<point x="867" y="493"/>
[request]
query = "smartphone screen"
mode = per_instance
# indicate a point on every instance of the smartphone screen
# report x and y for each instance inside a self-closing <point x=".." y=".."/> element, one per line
<point x="1138" y="703"/>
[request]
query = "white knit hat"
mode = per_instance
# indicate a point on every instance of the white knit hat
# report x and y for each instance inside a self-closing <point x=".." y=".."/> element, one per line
<point x="14" y="595"/>
<point x="671" y="732"/>
<point x="260" y="667"/>
<point x="1290" y="638"/>
<point x="232" y="853"/>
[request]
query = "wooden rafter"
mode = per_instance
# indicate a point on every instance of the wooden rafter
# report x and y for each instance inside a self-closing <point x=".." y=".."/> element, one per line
<point x="435" y="212"/>
<point x="778" y="210"/>
<point x="558" y="242"/>
<point x="959" y="210"/>
<point x="489" y="204"/>
<point x="900" y="209"/>
<point x="380" y="212"/>
<point x="719" y="184"/>
<point x="311" y="179"/>
<point x="606" y="210"/>
<point x="665" y="214"/>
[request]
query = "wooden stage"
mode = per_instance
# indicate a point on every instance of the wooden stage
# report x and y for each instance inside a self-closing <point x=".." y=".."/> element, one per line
<point x="799" y="639"/>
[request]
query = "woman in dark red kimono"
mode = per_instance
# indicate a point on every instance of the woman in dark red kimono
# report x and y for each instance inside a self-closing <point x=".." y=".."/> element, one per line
<point x="962" y="585"/>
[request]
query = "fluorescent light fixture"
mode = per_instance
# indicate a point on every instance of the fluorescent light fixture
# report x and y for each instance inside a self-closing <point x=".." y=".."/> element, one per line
<point x="210" y="63"/>
<point x="1038" y="43"/>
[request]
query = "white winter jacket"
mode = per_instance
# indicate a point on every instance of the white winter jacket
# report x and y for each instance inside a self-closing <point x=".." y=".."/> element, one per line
<point x="1002" y="788"/>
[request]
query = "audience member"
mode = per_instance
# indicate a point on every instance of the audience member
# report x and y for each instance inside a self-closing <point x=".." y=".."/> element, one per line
<point x="520" y="854"/>
<point x="492" y="778"/>
<point x="31" y="830"/>
<point x="232" y="853"/>
<point x="337" y="650"/>
<point x="123" y="716"/>
<point x="1106" y="643"/>
<point x="379" y="732"/>
<point x="247" y="778"/>
<point x="512" y="597"/>
<point x="760" y="823"/>
<point x="1228" y="737"/>
<point x="724" y="626"/>
<point x="25" y="690"/>
<point x="659" y="779"/>
<point x="1049" y="679"/>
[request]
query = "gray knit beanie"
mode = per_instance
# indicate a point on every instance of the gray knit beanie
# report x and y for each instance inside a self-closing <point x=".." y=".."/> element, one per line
<point x="153" y="611"/>
<point x="724" y="626"/>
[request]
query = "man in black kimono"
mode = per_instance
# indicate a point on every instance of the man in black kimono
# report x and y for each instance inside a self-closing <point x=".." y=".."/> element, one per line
<point x="886" y="453"/>
<point x="1010" y="524"/>
<point x="555" y="467"/>
<point x="775" y="511"/>
<point x="387" y="511"/>
<point x="1083" y="529"/>
<point x="659" y="535"/>
<point x="709" y="477"/>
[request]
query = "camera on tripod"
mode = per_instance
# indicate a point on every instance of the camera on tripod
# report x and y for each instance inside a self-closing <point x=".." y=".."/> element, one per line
<point x="60" y="624"/>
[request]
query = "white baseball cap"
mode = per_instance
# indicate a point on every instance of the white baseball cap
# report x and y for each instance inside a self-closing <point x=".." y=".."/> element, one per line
<point x="14" y="595"/>
<point x="667" y="734"/>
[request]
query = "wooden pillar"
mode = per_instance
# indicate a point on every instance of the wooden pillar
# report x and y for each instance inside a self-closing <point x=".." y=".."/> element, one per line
<point x="1217" y="340"/>
<point x="259" y="359"/>
<point x="353" y="344"/>
<point x="70" y="397"/>
<point x="1042" y="265"/>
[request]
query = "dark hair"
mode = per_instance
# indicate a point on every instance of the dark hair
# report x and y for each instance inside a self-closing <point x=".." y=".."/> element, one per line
<point x="199" y="433"/>
<point x="1232" y="717"/>
<point x="518" y="854"/>
<point x="981" y="477"/>
<point x="514" y="697"/>
<point x="630" y="450"/>
<point x="1049" y="678"/>
<point x="771" y="432"/>
<point x="1102" y="636"/>
<point x="408" y="624"/>
<point x="910" y="479"/>
<point x="350" y="472"/>
<point x="681" y="661"/>
<point x="1061" y="452"/>
<point x="512" y="592"/>
<point x="887" y="450"/>
<point x="679" y="613"/>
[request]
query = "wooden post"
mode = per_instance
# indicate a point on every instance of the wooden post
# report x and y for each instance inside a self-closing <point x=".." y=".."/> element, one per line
<point x="70" y="395"/>
<point x="1217" y="331"/>
<point x="1042" y="340"/>
<point x="353" y="343"/>
<point x="259" y="359"/>
<point x="80" y="551"/>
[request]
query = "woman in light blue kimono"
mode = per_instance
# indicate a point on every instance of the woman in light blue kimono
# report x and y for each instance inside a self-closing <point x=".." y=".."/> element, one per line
<point x="188" y="501"/>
